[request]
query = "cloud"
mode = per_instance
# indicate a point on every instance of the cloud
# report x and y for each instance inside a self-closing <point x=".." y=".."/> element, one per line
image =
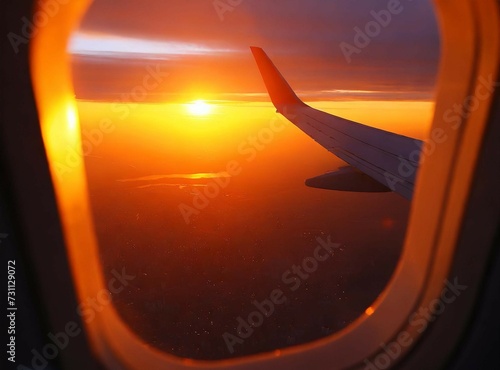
<point x="206" y="54"/>
<point x="190" y="176"/>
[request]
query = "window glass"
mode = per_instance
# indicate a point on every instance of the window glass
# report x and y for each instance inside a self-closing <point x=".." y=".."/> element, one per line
<point x="197" y="185"/>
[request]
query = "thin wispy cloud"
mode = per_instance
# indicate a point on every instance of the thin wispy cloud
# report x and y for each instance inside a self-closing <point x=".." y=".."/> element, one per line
<point x="105" y="45"/>
<point x="188" y="176"/>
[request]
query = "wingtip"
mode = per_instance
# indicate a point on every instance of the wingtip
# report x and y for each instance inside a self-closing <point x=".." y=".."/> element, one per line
<point x="255" y="49"/>
<point x="279" y="90"/>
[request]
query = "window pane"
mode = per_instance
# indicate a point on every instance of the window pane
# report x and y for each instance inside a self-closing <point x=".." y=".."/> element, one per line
<point x="198" y="186"/>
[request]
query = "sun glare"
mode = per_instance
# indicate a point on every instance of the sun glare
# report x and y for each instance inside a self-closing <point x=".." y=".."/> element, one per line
<point x="199" y="108"/>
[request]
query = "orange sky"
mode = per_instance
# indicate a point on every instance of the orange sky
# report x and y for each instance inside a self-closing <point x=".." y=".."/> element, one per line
<point x="166" y="139"/>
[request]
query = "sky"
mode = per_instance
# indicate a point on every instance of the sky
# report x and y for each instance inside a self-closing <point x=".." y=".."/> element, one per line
<point x="206" y="50"/>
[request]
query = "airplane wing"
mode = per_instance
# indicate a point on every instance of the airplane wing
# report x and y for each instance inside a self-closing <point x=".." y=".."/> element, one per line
<point x="379" y="160"/>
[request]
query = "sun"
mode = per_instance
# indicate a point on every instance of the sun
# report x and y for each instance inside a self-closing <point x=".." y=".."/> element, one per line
<point x="199" y="108"/>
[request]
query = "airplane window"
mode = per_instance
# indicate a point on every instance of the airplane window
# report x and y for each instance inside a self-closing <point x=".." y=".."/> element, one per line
<point x="234" y="230"/>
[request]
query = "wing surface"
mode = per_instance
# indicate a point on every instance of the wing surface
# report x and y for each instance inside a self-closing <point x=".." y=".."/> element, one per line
<point x="386" y="157"/>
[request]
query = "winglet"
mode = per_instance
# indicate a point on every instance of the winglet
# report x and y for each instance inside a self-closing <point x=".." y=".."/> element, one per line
<point x="279" y="90"/>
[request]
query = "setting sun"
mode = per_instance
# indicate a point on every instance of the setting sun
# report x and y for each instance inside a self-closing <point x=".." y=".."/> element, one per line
<point x="199" y="108"/>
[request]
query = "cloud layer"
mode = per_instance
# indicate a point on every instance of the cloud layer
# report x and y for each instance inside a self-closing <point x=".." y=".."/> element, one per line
<point x="207" y="51"/>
